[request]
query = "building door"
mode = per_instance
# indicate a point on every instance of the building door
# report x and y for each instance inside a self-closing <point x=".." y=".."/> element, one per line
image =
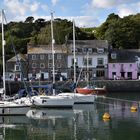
<point x="129" y="75"/>
<point x="122" y="74"/>
<point x="100" y="73"/>
<point x="42" y="76"/>
<point x="114" y="75"/>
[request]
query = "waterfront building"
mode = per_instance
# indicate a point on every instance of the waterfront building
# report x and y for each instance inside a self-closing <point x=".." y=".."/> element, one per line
<point x="15" y="65"/>
<point x="89" y="53"/>
<point x="123" y="64"/>
<point x="40" y="61"/>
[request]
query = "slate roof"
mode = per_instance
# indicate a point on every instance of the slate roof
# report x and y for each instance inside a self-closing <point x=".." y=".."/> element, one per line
<point x="125" y="56"/>
<point x="89" y="43"/>
<point x="46" y="49"/>
<point x="21" y="57"/>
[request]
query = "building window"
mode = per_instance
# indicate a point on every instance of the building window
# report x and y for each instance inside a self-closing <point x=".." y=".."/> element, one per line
<point x="84" y="50"/>
<point x="100" y="50"/>
<point x="130" y="65"/>
<point x="49" y="56"/>
<point x="89" y="63"/>
<point x="113" y="65"/>
<point x="100" y="73"/>
<point x="33" y="57"/>
<point x="42" y="56"/>
<point x="58" y="65"/>
<point x="100" y="61"/>
<point x="50" y="65"/>
<point x="33" y="65"/>
<point x="90" y="50"/>
<point x="72" y="61"/>
<point x="42" y="65"/>
<point x="58" y="56"/>
<point x="17" y="68"/>
<point x="113" y="56"/>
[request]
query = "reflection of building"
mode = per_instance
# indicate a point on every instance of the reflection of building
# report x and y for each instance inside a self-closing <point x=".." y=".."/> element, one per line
<point x="96" y="61"/>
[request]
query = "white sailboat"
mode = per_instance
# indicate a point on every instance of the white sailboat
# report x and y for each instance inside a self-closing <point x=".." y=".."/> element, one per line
<point x="52" y="101"/>
<point x="15" y="107"/>
<point x="77" y="97"/>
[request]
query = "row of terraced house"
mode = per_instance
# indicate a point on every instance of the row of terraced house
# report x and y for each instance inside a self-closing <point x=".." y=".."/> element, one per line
<point x="93" y="56"/>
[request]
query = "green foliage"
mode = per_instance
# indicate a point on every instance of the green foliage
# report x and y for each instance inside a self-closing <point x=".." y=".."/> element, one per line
<point x="121" y="32"/>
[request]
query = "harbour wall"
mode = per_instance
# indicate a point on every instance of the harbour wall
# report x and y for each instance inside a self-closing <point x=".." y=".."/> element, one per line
<point x="111" y="85"/>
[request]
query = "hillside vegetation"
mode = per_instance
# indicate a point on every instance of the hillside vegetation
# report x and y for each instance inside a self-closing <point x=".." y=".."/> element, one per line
<point x="120" y="33"/>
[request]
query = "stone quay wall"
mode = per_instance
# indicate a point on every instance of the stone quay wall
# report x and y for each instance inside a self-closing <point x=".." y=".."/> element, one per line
<point x="111" y="85"/>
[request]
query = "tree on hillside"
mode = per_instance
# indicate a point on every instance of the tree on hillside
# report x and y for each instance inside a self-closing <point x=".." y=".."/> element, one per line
<point x="121" y="32"/>
<point x="29" y="19"/>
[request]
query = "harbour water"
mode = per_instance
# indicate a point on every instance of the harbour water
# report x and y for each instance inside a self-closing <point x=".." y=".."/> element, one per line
<point x="83" y="122"/>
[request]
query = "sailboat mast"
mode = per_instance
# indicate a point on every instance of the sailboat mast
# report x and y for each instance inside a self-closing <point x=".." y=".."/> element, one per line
<point x="87" y="68"/>
<point x="3" y="52"/>
<point x="53" y="41"/>
<point x="74" y="52"/>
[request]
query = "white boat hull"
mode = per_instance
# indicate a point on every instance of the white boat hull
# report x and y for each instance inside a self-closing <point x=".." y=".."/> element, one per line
<point x="79" y="98"/>
<point x="16" y="107"/>
<point x="52" y="102"/>
<point x="7" y="111"/>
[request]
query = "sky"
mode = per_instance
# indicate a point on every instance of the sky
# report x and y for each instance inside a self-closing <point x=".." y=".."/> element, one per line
<point x="86" y="13"/>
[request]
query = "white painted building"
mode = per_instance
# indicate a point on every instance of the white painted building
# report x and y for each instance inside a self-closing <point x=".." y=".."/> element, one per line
<point x="95" y="51"/>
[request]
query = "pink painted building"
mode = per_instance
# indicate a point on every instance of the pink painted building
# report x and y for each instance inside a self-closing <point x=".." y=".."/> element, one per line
<point x="123" y="64"/>
<point x="122" y="71"/>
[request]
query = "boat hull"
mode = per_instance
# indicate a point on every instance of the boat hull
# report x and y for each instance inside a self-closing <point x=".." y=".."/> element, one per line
<point x="9" y="111"/>
<point x="52" y="102"/>
<point x="16" y="107"/>
<point x="79" y="98"/>
<point x="98" y="91"/>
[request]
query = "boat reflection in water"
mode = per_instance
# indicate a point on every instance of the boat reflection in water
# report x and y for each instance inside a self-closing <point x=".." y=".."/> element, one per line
<point x="10" y="125"/>
<point x="49" y="113"/>
<point x="83" y="122"/>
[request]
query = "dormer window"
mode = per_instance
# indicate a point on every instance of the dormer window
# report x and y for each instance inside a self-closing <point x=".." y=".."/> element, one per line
<point x="100" y="50"/>
<point x="113" y="55"/>
<point x="84" y="50"/>
<point x="136" y="58"/>
<point x="90" y="50"/>
<point x="76" y="50"/>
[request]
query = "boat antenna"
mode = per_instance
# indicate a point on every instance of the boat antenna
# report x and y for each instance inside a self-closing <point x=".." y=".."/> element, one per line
<point x="53" y="41"/>
<point x="3" y="52"/>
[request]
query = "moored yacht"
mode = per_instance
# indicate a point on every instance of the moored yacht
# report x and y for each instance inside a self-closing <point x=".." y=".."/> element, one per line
<point x="52" y="101"/>
<point x="79" y="98"/>
<point x="14" y="107"/>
